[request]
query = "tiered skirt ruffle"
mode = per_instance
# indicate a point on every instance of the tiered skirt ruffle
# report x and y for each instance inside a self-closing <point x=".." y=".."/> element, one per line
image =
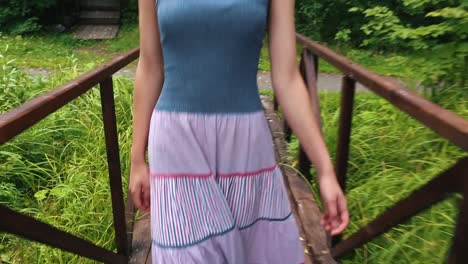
<point x="217" y="193"/>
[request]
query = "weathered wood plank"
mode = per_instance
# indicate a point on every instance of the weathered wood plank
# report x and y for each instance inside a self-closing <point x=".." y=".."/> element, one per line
<point x="141" y="244"/>
<point x="149" y="259"/>
<point x="129" y="221"/>
<point x="96" y="32"/>
<point x="316" y="241"/>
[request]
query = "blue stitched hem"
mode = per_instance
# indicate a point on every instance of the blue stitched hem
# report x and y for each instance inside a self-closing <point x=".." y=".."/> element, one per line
<point x="223" y="232"/>
<point x="196" y="242"/>
<point x="265" y="219"/>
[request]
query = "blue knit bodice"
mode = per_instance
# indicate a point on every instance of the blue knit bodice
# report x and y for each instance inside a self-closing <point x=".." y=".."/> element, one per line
<point x="211" y="50"/>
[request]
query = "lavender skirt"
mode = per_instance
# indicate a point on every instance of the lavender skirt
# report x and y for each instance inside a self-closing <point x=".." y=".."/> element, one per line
<point x="217" y="194"/>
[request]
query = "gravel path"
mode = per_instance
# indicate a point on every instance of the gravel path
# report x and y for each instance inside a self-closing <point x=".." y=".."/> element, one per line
<point x="326" y="81"/>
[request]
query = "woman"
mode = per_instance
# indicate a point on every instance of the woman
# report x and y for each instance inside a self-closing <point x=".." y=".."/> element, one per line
<point x="212" y="185"/>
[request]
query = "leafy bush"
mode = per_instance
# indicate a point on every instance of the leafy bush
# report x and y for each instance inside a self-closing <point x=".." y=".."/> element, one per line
<point x="56" y="171"/>
<point x="432" y="28"/>
<point x="323" y="19"/>
<point x="22" y="16"/>
<point x="392" y="155"/>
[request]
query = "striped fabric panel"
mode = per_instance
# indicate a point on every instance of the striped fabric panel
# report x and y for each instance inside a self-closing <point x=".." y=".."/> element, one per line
<point x="187" y="210"/>
<point x="256" y="197"/>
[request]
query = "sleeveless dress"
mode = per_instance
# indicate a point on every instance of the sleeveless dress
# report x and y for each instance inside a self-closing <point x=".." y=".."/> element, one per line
<point x="217" y="193"/>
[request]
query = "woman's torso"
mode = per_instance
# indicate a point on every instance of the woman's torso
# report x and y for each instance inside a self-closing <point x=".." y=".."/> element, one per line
<point x="211" y="50"/>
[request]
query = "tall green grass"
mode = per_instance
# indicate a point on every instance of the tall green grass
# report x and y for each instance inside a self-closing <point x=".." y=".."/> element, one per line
<point x="46" y="50"/>
<point x="57" y="170"/>
<point x="392" y="155"/>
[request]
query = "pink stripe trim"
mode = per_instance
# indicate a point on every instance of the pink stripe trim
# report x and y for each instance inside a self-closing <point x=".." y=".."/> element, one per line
<point x="206" y="175"/>
<point x="247" y="174"/>
<point x="179" y="175"/>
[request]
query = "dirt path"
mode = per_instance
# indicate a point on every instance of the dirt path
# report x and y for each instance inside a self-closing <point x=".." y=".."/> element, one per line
<point x="326" y="82"/>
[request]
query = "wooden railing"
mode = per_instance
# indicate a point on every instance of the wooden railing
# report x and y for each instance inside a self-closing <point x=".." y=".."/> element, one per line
<point x="26" y="115"/>
<point x="445" y="123"/>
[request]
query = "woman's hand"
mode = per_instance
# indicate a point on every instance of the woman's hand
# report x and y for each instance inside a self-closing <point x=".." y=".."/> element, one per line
<point x="335" y="217"/>
<point x="149" y="77"/>
<point x="296" y="106"/>
<point x="140" y="185"/>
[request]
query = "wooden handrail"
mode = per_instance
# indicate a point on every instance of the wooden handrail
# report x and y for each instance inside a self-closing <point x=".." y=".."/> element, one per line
<point x="13" y="122"/>
<point x="17" y="120"/>
<point x="442" y="121"/>
<point x="447" y="124"/>
<point x="434" y="191"/>
<point x="29" y="227"/>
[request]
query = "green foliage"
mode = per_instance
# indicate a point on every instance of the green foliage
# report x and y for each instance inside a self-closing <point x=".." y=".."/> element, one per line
<point x="132" y="6"/>
<point x="343" y="36"/>
<point x="56" y="171"/>
<point x="385" y="28"/>
<point x="11" y="78"/>
<point x="49" y="50"/>
<point x="29" y="25"/>
<point x="19" y="17"/>
<point x="392" y="155"/>
<point x="323" y="19"/>
<point x="430" y="28"/>
<point x="443" y="37"/>
<point x="128" y="37"/>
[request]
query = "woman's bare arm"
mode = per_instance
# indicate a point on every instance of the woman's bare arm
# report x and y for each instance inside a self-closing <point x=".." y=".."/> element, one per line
<point x="296" y="106"/>
<point x="148" y="82"/>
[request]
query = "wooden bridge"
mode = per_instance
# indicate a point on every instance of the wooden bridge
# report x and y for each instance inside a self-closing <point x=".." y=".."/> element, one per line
<point x="132" y="235"/>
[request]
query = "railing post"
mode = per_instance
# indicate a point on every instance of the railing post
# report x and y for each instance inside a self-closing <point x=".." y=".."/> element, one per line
<point x="348" y="89"/>
<point x="275" y="103"/>
<point x="30" y="228"/>
<point x="458" y="252"/>
<point x="113" y="160"/>
<point x="287" y="130"/>
<point x="309" y="71"/>
<point x="433" y="191"/>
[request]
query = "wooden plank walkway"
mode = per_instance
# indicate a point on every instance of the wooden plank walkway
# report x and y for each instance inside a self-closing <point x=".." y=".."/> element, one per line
<point x="315" y="240"/>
